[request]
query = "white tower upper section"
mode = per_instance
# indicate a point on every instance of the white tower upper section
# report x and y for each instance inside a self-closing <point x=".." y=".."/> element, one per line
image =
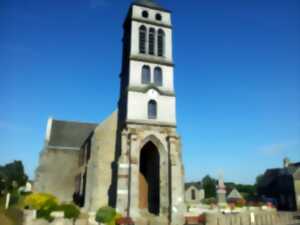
<point x="147" y="87"/>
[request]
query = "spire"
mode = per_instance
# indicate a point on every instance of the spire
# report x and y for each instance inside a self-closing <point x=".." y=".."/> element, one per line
<point x="149" y="3"/>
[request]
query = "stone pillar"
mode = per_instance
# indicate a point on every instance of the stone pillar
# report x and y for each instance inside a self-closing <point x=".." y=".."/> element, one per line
<point x="29" y="216"/>
<point x="212" y="218"/>
<point x="177" y="207"/>
<point x="134" y="176"/>
<point x="123" y="176"/>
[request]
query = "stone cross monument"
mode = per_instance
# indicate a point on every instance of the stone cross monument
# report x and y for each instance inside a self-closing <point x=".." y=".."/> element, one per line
<point x="221" y="191"/>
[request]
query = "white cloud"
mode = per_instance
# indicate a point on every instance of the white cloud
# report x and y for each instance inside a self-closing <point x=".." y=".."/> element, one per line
<point x="274" y="149"/>
<point x="277" y="149"/>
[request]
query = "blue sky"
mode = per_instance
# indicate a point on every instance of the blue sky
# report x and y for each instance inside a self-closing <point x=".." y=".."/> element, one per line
<point x="237" y="78"/>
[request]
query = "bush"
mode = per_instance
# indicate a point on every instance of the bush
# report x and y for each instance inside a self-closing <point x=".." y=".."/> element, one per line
<point x="38" y="200"/>
<point x="14" y="198"/>
<point x="209" y="201"/>
<point x="106" y="215"/>
<point x="70" y="210"/>
<point x="241" y="203"/>
<point x="46" y="209"/>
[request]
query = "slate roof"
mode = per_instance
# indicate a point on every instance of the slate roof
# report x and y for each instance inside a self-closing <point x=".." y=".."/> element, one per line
<point x="69" y="134"/>
<point x="272" y="174"/>
<point x="149" y="3"/>
<point x="234" y="194"/>
<point x="198" y="185"/>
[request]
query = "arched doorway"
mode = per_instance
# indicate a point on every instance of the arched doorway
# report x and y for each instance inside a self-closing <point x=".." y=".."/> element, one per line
<point x="149" y="179"/>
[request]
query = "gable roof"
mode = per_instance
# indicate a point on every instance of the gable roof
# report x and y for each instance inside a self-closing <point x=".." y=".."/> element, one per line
<point x="69" y="134"/>
<point x="234" y="194"/>
<point x="197" y="185"/>
<point x="149" y="4"/>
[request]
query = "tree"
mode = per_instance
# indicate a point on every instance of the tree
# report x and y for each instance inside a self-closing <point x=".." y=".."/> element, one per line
<point x="259" y="179"/>
<point x="12" y="176"/>
<point x="209" y="186"/>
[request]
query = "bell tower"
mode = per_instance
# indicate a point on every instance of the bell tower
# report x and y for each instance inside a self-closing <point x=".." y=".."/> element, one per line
<point x="150" y="170"/>
<point x="147" y="90"/>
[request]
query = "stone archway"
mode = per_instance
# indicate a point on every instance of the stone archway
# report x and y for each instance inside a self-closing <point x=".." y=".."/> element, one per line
<point x="149" y="179"/>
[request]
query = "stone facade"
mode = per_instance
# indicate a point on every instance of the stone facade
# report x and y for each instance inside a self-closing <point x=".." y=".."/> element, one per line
<point x="99" y="168"/>
<point x="58" y="163"/>
<point x="194" y="193"/>
<point x="56" y="173"/>
<point x="167" y="143"/>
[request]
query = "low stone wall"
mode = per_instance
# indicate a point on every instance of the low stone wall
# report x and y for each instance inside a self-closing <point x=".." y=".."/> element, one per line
<point x="30" y="219"/>
<point x="252" y="218"/>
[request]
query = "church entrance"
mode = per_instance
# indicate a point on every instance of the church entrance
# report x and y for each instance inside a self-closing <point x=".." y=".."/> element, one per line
<point x="149" y="179"/>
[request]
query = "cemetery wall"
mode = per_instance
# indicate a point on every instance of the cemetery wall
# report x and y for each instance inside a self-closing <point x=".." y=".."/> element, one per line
<point x="252" y="218"/>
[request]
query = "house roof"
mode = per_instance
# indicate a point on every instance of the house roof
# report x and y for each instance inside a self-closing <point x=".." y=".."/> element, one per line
<point x="271" y="174"/>
<point x="149" y="4"/>
<point x="69" y="134"/>
<point x="234" y="194"/>
<point x="197" y="185"/>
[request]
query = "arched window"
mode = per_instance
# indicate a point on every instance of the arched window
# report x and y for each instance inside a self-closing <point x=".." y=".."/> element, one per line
<point x="152" y="109"/>
<point x="146" y="77"/>
<point x="160" y="42"/>
<point x="193" y="194"/>
<point x="158" y="78"/>
<point x="151" y="41"/>
<point x="143" y="34"/>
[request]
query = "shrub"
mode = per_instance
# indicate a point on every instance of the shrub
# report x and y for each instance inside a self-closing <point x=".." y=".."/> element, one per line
<point x="14" y="198"/>
<point x="38" y="200"/>
<point x="209" y="201"/>
<point x="241" y="202"/>
<point x="46" y="209"/>
<point x="106" y="215"/>
<point x="117" y="217"/>
<point x="70" y="210"/>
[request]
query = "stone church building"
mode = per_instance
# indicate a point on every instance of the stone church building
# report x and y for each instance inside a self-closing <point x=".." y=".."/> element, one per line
<point x="132" y="160"/>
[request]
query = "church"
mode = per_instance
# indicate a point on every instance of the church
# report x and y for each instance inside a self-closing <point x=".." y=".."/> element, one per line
<point x="132" y="160"/>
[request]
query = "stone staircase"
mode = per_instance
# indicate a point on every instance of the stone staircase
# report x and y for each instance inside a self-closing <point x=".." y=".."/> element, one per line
<point x="150" y="219"/>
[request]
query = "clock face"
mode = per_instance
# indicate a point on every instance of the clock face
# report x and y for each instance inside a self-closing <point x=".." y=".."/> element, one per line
<point x="152" y="93"/>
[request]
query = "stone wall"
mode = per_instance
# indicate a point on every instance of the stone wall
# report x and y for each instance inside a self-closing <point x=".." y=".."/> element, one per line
<point x="251" y="218"/>
<point x="30" y="219"/>
<point x="297" y="193"/>
<point x="56" y="173"/>
<point x="99" y="188"/>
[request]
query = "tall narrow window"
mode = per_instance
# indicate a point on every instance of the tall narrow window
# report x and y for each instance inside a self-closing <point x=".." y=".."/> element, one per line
<point x="143" y="34"/>
<point x="152" y="109"/>
<point x="160" y="43"/>
<point x="158" y="76"/>
<point x="146" y="77"/>
<point x="151" y="41"/>
<point x="193" y="194"/>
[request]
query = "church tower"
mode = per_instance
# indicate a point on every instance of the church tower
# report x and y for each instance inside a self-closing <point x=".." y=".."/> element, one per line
<point x="150" y="170"/>
<point x="132" y="160"/>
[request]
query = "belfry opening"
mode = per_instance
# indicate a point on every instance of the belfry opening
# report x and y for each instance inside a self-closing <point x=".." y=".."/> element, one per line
<point x="149" y="180"/>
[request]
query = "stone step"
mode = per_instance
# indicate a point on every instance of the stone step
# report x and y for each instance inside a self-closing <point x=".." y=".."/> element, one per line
<point x="150" y="219"/>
